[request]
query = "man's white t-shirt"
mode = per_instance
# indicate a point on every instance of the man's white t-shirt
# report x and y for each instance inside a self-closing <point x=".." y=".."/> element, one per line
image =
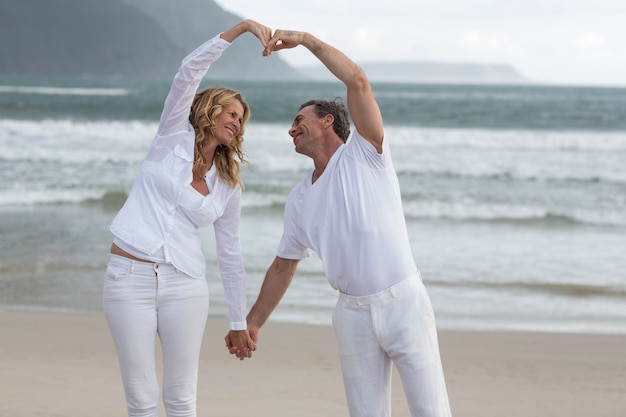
<point x="352" y="217"/>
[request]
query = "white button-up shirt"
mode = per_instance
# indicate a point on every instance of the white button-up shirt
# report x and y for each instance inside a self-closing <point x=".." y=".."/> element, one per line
<point x="163" y="212"/>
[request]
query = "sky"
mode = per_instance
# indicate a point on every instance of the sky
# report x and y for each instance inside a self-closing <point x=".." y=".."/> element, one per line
<point x="569" y="42"/>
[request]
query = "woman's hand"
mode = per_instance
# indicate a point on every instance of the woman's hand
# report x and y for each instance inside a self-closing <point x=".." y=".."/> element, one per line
<point x="239" y="343"/>
<point x="262" y="32"/>
<point x="285" y="39"/>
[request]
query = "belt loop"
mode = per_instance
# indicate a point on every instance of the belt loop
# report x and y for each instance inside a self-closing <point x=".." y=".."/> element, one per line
<point x="393" y="291"/>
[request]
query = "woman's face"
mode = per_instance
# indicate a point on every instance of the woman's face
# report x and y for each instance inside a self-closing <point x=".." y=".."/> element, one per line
<point x="228" y="123"/>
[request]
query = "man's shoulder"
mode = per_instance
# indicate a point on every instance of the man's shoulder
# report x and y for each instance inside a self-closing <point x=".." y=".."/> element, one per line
<point x="361" y="149"/>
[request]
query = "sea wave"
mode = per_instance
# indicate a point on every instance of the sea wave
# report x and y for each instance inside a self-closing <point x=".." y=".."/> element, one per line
<point x="29" y="197"/>
<point x="69" y="141"/>
<point x="64" y="91"/>
<point x="511" y="214"/>
<point x="539" y="108"/>
<point x="464" y="138"/>
<point x="602" y="175"/>
<point x="109" y="199"/>
<point x="445" y="173"/>
<point x="565" y="289"/>
<point x="115" y="198"/>
<point x="415" y="208"/>
<point x="252" y="199"/>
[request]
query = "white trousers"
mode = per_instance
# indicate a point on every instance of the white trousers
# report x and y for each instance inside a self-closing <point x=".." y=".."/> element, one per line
<point x="396" y="326"/>
<point x="142" y="300"/>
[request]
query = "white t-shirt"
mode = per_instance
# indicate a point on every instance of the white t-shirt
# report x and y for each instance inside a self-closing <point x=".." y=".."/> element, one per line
<point x="352" y="217"/>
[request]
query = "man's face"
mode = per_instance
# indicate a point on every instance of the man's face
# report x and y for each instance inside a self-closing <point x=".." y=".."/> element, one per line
<point x="305" y="130"/>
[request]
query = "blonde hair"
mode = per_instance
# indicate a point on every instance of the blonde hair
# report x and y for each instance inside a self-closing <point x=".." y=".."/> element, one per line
<point x="207" y="105"/>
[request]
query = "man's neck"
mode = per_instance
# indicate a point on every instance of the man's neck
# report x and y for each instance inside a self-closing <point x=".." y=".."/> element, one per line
<point x="321" y="161"/>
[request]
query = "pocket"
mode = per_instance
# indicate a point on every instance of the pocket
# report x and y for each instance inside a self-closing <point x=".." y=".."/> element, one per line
<point x="115" y="283"/>
<point x="117" y="269"/>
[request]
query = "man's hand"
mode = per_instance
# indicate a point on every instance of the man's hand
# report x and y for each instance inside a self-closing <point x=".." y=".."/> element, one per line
<point x="240" y="344"/>
<point x="285" y="39"/>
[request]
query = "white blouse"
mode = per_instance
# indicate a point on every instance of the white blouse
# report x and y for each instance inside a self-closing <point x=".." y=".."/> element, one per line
<point x="163" y="212"/>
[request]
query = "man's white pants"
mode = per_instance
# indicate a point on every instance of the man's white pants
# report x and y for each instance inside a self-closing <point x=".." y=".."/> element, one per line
<point x="142" y="300"/>
<point x="396" y="326"/>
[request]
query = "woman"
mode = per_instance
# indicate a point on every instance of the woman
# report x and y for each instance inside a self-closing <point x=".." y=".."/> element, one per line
<point x="155" y="280"/>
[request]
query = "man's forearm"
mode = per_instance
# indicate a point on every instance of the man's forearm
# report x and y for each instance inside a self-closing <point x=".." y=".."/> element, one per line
<point x="275" y="284"/>
<point x="336" y="61"/>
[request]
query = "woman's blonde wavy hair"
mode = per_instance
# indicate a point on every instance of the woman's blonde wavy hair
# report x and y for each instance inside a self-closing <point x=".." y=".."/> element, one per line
<point x="207" y="105"/>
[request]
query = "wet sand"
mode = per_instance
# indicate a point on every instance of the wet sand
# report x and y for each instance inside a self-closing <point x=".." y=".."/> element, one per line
<point x="64" y="365"/>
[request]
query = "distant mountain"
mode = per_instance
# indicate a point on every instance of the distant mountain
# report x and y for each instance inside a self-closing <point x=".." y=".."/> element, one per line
<point x="188" y="23"/>
<point x="72" y="37"/>
<point x="123" y="37"/>
<point x="151" y="37"/>
<point x="429" y="72"/>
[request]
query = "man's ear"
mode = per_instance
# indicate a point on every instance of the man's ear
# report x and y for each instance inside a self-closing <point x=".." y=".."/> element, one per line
<point x="328" y="120"/>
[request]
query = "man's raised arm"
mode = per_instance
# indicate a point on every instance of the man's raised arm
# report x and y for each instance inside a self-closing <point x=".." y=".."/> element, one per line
<point x="362" y="105"/>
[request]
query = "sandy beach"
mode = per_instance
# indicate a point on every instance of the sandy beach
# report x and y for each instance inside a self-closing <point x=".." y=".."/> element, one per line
<point x="64" y="365"/>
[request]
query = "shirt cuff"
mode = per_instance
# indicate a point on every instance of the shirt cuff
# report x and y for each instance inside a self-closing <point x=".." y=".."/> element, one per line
<point x="222" y="40"/>
<point x="238" y="325"/>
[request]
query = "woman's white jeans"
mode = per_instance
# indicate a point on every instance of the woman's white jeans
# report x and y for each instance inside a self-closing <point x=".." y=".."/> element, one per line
<point x="396" y="326"/>
<point x="142" y="300"/>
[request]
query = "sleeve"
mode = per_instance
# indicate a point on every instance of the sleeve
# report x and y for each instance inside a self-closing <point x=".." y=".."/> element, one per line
<point x="175" y="114"/>
<point x="289" y="246"/>
<point x="360" y="149"/>
<point x="231" y="262"/>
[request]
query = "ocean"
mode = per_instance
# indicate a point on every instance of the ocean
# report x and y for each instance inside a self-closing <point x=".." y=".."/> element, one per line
<point x="514" y="196"/>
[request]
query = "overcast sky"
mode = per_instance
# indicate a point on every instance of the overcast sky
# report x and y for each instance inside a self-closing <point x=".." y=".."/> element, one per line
<point x="551" y="41"/>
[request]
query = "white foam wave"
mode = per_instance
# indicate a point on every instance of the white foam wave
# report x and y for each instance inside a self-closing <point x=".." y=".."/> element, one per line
<point x="506" y="212"/>
<point x="68" y="141"/>
<point x="601" y="173"/>
<point x="65" y="91"/>
<point x="29" y="197"/>
<point x="259" y="200"/>
<point x="462" y="139"/>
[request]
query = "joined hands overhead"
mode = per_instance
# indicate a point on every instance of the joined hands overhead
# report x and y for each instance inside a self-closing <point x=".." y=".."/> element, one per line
<point x="280" y="39"/>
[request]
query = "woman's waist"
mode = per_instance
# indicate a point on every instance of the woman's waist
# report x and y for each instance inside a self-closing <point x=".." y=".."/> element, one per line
<point x="116" y="250"/>
<point x="193" y="266"/>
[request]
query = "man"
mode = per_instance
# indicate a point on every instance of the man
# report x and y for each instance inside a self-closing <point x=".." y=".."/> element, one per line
<point x="349" y="212"/>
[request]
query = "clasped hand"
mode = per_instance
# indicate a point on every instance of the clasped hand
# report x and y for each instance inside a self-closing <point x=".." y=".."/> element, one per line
<point x="281" y="39"/>
<point x="240" y="343"/>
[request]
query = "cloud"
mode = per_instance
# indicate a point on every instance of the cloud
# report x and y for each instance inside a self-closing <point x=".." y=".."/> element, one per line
<point x="590" y="40"/>
<point x="599" y="50"/>
<point x="493" y="45"/>
<point x="562" y="41"/>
